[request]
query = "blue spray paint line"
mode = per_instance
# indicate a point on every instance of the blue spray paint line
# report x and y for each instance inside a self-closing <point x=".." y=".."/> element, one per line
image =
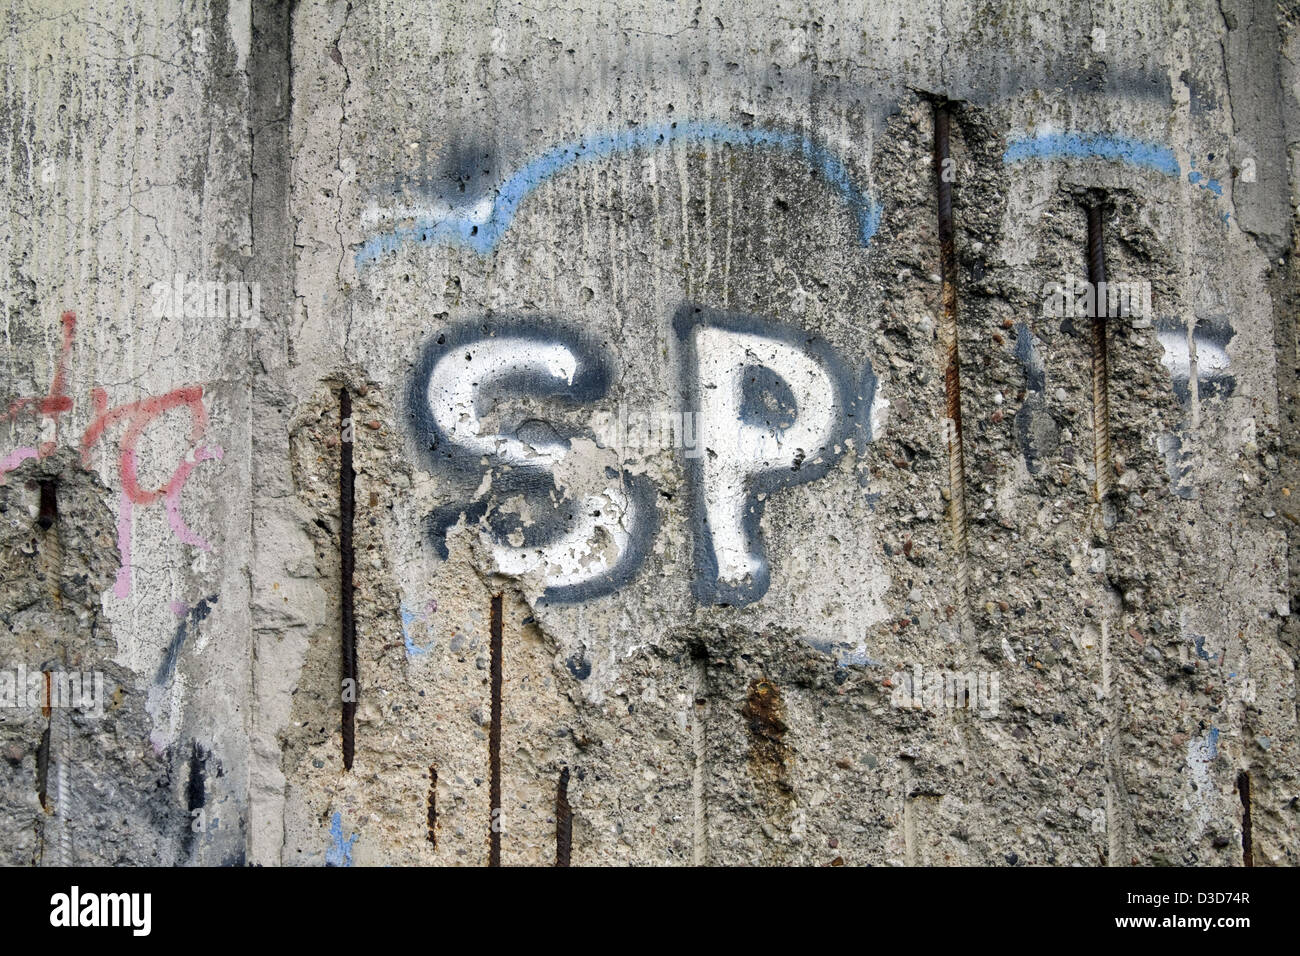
<point x="481" y="232"/>
<point x="408" y="618"/>
<point x="1213" y="185"/>
<point x="1212" y="743"/>
<point x="340" y="854"/>
<point x="1197" y="178"/>
<point x="1121" y="149"/>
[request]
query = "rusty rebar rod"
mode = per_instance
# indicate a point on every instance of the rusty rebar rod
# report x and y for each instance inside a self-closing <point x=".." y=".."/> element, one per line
<point x="950" y="353"/>
<point x="563" y="821"/>
<point x="494" y="737"/>
<point x="1100" y="358"/>
<point x="347" y="512"/>
<point x="1247" y="839"/>
<point x="431" y="807"/>
<point x="49" y="507"/>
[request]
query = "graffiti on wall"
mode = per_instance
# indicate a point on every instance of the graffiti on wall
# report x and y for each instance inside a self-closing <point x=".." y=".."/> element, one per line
<point x="583" y="546"/>
<point x="772" y="407"/>
<point x="769" y="405"/>
<point x="775" y="408"/>
<point x="480" y="225"/>
<point x="1113" y="147"/>
<point x="1195" y="351"/>
<point x="133" y="419"/>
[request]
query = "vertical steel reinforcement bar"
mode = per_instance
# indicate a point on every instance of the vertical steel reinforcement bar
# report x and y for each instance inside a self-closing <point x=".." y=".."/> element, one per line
<point x="347" y="496"/>
<point x="1100" y="359"/>
<point x="496" y="627"/>
<point x="950" y="355"/>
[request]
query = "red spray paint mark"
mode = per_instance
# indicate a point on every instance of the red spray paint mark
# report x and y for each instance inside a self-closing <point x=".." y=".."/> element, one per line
<point x="137" y="416"/>
<point x="55" y="402"/>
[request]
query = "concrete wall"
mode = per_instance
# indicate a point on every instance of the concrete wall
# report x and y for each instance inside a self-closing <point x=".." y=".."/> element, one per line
<point x="640" y="311"/>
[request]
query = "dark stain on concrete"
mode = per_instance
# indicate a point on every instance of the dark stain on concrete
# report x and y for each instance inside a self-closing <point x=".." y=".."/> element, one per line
<point x="188" y="623"/>
<point x="769" y="754"/>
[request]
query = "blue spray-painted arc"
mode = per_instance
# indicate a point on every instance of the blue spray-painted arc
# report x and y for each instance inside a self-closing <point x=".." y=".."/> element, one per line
<point x="1121" y="149"/>
<point x="482" y="233"/>
<point x="1142" y="154"/>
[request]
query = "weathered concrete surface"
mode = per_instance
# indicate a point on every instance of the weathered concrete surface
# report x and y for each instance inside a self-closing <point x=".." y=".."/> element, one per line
<point x="639" y="309"/>
<point x="126" y="150"/>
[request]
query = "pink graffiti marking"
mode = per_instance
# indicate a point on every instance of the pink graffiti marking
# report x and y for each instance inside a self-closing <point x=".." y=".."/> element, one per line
<point x="137" y="416"/>
<point x="140" y="414"/>
<point x="14" y="459"/>
<point x="172" y="499"/>
<point x="54" y="404"/>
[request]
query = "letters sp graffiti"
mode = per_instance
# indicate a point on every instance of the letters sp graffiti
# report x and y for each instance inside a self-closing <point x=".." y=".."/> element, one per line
<point x="770" y="406"/>
<point x="774" y="408"/>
